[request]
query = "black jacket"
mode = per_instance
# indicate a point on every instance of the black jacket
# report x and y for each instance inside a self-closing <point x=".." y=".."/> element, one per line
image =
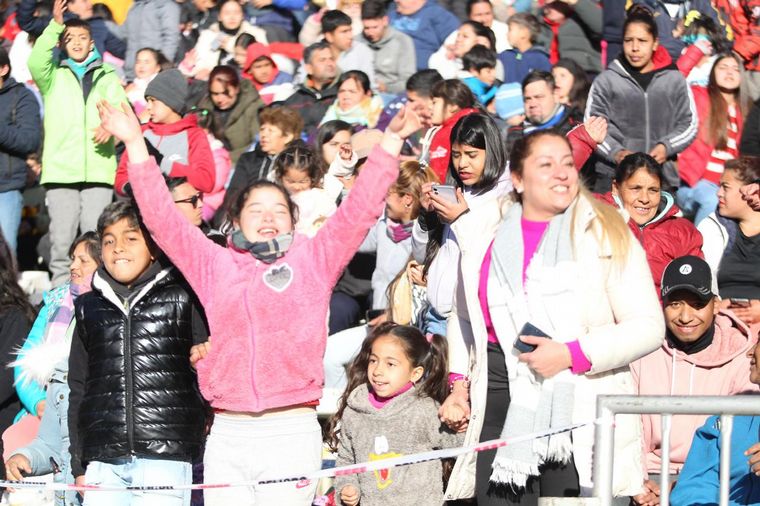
<point x="20" y="133"/>
<point x="133" y="391"/>
<point x="750" y="143"/>
<point x="312" y="104"/>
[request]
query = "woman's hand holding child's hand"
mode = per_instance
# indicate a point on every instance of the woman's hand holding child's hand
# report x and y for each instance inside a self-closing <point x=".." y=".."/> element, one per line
<point x="349" y="495"/>
<point x="455" y="411"/>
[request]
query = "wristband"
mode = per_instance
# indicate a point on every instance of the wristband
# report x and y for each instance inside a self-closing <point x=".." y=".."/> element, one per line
<point x="454" y="377"/>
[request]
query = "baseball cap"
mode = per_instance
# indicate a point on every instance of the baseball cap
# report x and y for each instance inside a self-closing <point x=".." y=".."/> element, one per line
<point x="687" y="273"/>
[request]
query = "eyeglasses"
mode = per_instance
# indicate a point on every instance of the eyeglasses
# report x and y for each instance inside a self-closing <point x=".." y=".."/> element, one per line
<point x="198" y="197"/>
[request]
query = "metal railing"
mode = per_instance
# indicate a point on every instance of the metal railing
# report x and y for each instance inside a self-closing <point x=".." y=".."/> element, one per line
<point x="607" y="406"/>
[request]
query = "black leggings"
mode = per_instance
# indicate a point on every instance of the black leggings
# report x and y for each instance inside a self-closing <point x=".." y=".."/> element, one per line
<point x="556" y="480"/>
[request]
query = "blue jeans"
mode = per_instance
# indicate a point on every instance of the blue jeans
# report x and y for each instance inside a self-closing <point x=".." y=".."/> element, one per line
<point x="138" y="472"/>
<point x="434" y="322"/>
<point x="11" y="204"/>
<point x="699" y="200"/>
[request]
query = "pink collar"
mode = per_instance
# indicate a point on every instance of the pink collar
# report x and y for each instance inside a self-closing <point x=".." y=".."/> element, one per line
<point x="380" y="402"/>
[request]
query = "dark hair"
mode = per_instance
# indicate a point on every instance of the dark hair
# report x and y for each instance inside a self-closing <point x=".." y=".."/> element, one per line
<point x="317" y="46"/>
<point x="717" y="123"/>
<point x="529" y="21"/>
<point x="454" y="91"/>
<point x="301" y="157"/>
<point x="480" y="131"/>
<point x="714" y="33"/>
<point x="239" y="201"/>
<point x="357" y="75"/>
<point x="209" y="121"/>
<point x="222" y="4"/>
<point x="244" y="40"/>
<point x="74" y="23"/>
<point x="5" y="60"/>
<point x="581" y="85"/>
<point x="225" y="75"/>
<point x="472" y="3"/>
<point x="373" y="9"/>
<point x="284" y="118"/>
<point x="539" y="75"/>
<point x="102" y="11"/>
<point x="327" y="131"/>
<point x="91" y="242"/>
<point x="173" y="182"/>
<point x="746" y="168"/>
<point x="481" y="30"/>
<point x="422" y="82"/>
<point x="11" y="294"/>
<point x="117" y="211"/>
<point x="641" y="14"/>
<point x="332" y="20"/>
<point x="162" y="61"/>
<point x="632" y="163"/>
<point x="431" y="356"/>
<point x="479" y="58"/>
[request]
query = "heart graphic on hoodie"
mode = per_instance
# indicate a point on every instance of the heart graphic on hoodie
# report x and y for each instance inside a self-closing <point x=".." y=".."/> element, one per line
<point x="278" y="277"/>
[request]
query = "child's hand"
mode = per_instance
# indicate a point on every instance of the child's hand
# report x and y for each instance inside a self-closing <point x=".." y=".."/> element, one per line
<point x="121" y="123"/>
<point x="596" y="126"/>
<point x="199" y="352"/>
<point x="349" y="495"/>
<point x="455" y="411"/>
<point x="59" y="7"/>
<point x="17" y="466"/>
<point x="345" y="152"/>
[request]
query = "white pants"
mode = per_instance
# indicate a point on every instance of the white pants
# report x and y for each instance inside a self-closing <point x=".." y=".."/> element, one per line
<point x="241" y="448"/>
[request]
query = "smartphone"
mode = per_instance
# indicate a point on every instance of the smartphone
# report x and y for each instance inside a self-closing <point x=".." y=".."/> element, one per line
<point x="446" y="191"/>
<point x="373" y="313"/>
<point x="528" y="330"/>
<point x="739" y="302"/>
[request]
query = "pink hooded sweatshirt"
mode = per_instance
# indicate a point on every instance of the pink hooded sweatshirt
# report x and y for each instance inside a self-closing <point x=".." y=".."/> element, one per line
<point x="268" y="322"/>
<point x="720" y="369"/>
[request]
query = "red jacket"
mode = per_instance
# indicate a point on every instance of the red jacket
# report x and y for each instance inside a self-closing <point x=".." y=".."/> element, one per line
<point x="692" y="161"/>
<point x="440" y="145"/>
<point x="186" y="152"/>
<point x="666" y="237"/>
<point x="745" y="27"/>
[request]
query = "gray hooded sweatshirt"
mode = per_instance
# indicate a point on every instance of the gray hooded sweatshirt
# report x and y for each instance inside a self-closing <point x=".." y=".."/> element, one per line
<point x="639" y="119"/>
<point x="394" y="59"/>
<point x="407" y="424"/>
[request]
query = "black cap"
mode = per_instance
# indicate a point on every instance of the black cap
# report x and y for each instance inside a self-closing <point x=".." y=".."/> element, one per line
<point x="687" y="273"/>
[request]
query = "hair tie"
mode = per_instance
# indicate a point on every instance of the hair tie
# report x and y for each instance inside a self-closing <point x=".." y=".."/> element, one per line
<point x="690" y="17"/>
<point x="429" y="337"/>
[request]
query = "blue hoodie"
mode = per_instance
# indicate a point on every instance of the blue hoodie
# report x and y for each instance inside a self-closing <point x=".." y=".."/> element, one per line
<point x="517" y="65"/>
<point x="698" y="483"/>
<point x="428" y="28"/>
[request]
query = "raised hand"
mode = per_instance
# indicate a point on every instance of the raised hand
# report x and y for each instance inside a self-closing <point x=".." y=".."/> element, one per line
<point x="596" y="126"/>
<point x="404" y="123"/>
<point x="121" y="123"/>
<point x="59" y="7"/>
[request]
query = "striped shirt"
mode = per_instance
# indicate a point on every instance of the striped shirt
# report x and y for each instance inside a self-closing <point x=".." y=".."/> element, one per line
<point x="718" y="157"/>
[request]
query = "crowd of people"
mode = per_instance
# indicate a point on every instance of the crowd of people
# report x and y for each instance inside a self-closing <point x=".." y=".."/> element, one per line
<point x="287" y="231"/>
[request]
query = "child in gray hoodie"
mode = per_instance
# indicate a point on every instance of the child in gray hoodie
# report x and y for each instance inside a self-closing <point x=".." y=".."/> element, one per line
<point x="390" y="409"/>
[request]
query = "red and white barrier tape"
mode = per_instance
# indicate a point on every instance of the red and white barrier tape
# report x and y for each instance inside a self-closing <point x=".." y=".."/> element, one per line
<point x="363" y="467"/>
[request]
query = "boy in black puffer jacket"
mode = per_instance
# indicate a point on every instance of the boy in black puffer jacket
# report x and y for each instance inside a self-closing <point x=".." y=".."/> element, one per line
<point x="136" y="416"/>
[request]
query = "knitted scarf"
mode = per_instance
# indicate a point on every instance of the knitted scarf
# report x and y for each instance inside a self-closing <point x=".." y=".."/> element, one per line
<point x="399" y="231"/>
<point x="266" y="251"/>
<point x="537" y="403"/>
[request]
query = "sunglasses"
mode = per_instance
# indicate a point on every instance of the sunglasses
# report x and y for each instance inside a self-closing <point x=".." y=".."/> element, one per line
<point x="198" y="197"/>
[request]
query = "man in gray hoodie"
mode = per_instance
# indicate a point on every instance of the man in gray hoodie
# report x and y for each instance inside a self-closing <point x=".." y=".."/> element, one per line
<point x="150" y="23"/>
<point x="394" y="51"/>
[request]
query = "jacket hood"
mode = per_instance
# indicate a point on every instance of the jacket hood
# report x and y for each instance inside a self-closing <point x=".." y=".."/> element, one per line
<point x="390" y="34"/>
<point x="666" y="210"/>
<point x="731" y="339"/>
<point x="9" y="84"/>
<point x="359" y="402"/>
<point x="189" y="121"/>
<point x="254" y="52"/>
<point x="661" y="60"/>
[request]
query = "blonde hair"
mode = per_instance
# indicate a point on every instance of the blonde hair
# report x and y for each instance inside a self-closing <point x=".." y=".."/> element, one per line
<point x="411" y="177"/>
<point x="610" y="229"/>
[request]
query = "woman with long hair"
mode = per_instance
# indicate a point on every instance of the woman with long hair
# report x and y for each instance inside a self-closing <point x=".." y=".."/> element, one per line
<point x="721" y="109"/>
<point x="558" y="259"/>
<point x="572" y="84"/>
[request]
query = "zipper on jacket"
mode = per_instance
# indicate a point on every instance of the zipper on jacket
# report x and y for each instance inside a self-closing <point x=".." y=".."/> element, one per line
<point x="128" y="378"/>
<point x="646" y="120"/>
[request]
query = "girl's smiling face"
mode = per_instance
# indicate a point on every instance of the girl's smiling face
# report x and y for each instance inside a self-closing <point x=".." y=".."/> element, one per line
<point x="389" y="369"/>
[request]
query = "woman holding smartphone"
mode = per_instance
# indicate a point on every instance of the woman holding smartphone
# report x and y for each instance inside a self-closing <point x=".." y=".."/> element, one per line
<point x="554" y="258"/>
<point x="732" y="243"/>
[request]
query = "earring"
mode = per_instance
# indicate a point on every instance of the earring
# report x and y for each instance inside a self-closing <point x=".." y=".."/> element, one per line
<point x="519" y="189"/>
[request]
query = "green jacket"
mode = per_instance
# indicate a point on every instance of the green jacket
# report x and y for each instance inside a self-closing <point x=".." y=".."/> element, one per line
<point x="70" y="155"/>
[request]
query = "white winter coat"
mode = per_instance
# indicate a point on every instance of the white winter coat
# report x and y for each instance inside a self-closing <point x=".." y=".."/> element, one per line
<point x="619" y="309"/>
